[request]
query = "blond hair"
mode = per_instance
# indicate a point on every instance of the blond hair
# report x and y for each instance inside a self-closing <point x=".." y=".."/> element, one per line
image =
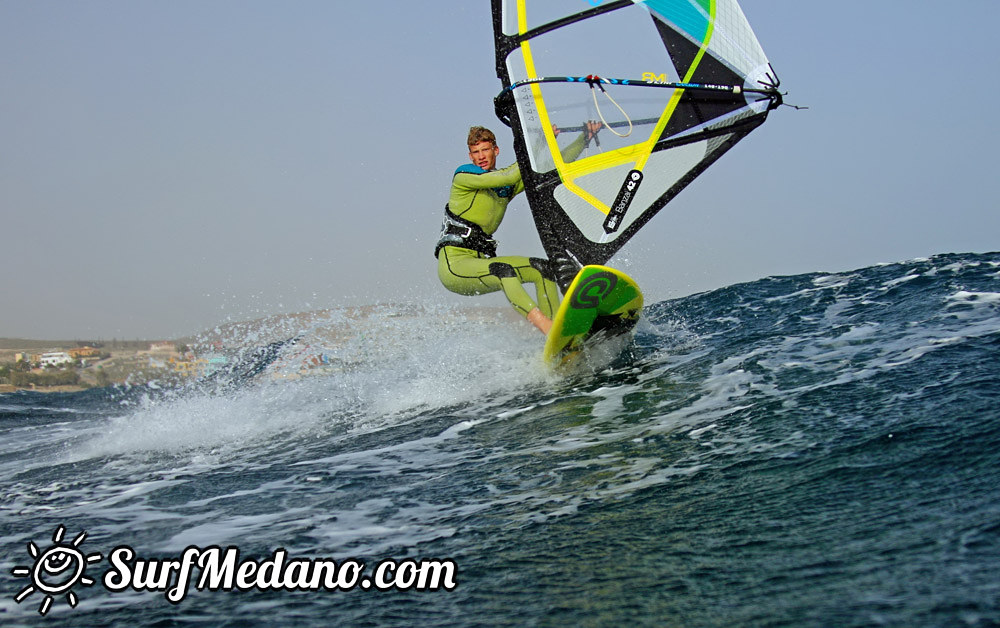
<point x="479" y="134"/>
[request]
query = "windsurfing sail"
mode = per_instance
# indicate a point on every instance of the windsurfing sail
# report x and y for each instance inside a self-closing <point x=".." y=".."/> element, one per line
<point x="676" y="84"/>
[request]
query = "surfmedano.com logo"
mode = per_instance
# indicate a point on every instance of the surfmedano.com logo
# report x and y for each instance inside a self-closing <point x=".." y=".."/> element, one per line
<point x="62" y="566"/>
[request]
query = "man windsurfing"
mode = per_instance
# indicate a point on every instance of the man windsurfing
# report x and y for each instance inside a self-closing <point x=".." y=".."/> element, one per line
<point x="466" y="252"/>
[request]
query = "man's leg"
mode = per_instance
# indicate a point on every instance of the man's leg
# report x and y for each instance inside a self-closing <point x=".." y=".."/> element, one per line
<point x="463" y="271"/>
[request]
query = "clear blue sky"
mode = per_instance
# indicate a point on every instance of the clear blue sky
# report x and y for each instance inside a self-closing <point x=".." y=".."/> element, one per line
<point x="168" y="166"/>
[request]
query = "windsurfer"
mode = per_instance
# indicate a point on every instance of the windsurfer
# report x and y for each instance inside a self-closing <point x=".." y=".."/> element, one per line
<point x="466" y="252"/>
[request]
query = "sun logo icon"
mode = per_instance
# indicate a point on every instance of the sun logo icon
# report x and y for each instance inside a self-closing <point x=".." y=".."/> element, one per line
<point x="57" y="569"/>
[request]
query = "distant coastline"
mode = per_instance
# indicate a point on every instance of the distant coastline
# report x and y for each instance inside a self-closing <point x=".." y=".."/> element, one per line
<point x="173" y="361"/>
<point x="107" y="363"/>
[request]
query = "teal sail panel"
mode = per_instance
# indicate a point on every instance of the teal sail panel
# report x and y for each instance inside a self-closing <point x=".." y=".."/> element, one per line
<point x="687" y="15"/>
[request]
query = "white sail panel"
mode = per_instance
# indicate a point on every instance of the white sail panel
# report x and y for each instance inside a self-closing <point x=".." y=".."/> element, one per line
<point x="606" y="183"/>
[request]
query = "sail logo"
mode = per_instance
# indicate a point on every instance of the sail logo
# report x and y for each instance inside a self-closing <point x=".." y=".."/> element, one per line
<point x="652" y="77"/>
<point x="625" y="197"/>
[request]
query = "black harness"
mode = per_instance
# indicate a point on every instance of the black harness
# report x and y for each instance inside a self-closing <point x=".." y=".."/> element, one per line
<point x="465" y="234"/>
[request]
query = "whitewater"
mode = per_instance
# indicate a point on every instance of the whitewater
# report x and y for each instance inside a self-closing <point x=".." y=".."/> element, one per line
<point x="813" y="450"/>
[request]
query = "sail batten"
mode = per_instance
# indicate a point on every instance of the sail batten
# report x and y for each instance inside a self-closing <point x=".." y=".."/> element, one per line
<point x="684" y="81"/>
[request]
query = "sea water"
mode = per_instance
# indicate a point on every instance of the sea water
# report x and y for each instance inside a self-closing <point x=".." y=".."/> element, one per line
<point x="816" y="450"/>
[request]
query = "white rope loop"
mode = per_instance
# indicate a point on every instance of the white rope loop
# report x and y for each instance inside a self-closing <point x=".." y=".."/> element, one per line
<point x="596" y="80"/>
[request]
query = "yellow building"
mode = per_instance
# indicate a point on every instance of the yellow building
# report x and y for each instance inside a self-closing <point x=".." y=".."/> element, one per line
<point x="83" y="352"/>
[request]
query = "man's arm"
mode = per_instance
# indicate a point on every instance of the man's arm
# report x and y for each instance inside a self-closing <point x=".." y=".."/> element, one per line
<point x="471" y="180"/>
<point x="571" y="152"/>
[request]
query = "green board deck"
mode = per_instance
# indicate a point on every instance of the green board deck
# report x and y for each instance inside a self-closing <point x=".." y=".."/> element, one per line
<point x="601" y="304"/>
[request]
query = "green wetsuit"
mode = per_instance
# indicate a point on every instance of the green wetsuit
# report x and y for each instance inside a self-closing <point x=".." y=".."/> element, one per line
<point x="480" y="197"/>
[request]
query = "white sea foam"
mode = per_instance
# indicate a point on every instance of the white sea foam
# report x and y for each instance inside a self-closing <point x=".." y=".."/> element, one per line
<point x="892" y="283"/>
<point x="963" y="297"/>
<point x="413" y="364"/>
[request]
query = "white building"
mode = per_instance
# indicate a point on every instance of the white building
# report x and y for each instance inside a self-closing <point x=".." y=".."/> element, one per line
<point x="55" y="358"/>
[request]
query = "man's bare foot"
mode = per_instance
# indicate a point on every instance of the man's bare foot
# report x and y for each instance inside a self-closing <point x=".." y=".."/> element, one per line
<point x="539" y="320"/>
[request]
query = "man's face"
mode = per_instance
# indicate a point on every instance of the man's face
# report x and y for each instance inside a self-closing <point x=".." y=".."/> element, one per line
<point x="484" y="155"/>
